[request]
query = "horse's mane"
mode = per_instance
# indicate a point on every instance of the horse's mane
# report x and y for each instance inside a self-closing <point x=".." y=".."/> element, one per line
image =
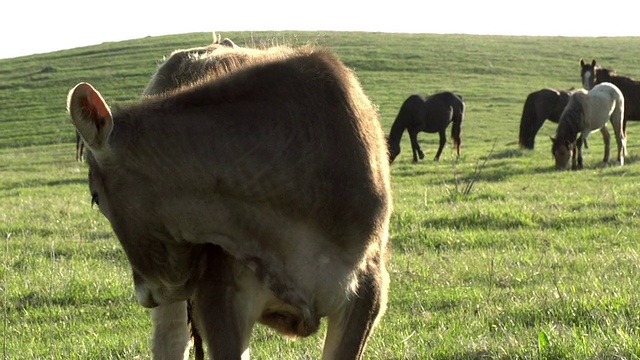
<point x="608" y="72"/>
<point x="569" y="124"/>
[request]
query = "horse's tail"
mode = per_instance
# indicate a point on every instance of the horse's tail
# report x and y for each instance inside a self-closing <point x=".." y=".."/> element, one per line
<point x="527" y="124"/>
<point x="79" y="147"/>
<point x="456" y="128"/>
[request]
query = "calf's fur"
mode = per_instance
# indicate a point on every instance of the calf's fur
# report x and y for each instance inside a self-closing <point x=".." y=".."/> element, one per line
<point x="261" y="195"/>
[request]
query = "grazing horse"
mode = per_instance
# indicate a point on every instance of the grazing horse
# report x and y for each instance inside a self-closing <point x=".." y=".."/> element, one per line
<point x="592" y="74"/>
<point x="586" y="112"/>
<point x="431" y="114"/>
<point x="262" y="196"/>
<point x="539" y="106"/>
<point x="79" y="147"/>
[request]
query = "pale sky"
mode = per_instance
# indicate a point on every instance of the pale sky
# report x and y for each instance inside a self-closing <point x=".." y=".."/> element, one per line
<point x="31" y="27"/>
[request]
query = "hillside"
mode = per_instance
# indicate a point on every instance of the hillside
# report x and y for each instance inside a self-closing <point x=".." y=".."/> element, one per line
<point x="494" y="255"/>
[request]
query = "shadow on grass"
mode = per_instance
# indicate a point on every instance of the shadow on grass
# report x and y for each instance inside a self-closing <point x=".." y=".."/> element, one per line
<point x="498" y="221"/>
<point x="34" y="300"/>
<point x="471" y="355"/>
<point x="36" y="183"/>
<point x="493" y="355"/>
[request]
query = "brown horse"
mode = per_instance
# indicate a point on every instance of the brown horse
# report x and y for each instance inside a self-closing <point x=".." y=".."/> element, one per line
<point x="592" y="74"/>
<point x="431" y="114"/>
<point x="540" y="105"/>
<point x="261" y="196"/>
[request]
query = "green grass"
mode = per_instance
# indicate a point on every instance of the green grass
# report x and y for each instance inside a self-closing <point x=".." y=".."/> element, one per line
<point x="494" y="255"/>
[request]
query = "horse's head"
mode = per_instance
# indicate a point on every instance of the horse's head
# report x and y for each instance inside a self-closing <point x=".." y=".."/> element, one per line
<point x="562" y="151"/>
<point x="588" y="73"/>
<point x="394" y="150"/>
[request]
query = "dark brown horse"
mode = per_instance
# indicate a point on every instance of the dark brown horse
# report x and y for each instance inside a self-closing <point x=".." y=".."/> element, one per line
<point x="431" y="114"/>
<point x="541" y="105"/>
<point x="592" y="74"/>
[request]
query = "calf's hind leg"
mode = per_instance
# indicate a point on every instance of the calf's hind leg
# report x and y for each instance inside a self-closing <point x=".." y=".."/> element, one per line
<point x="226" y="304"/>
<point x="349" y="330"/>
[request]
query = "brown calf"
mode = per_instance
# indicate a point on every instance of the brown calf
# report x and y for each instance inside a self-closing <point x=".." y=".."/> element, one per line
<point x="170" y="339"/>
<point x="262" y="196"/>
<point x="186" y="68"/>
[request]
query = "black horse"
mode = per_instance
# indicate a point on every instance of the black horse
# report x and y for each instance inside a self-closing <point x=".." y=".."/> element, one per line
<point x="541" y="105"/>
<point x="592" y="74"/>
<point x="431" y="114"/>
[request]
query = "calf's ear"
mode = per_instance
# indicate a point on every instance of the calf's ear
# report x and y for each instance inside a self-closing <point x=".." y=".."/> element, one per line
<point x="91" y="115"/>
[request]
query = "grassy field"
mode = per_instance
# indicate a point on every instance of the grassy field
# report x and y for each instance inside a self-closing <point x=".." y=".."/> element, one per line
<point x="494" y="255"/>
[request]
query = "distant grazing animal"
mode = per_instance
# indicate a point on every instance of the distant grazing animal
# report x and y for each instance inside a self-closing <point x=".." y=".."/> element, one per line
<point x="588" y="111"/>
<point x="79" y="148"/>
<point x="431" y="114"/>
<point x="592" y="74"/>
<point x="260" y="196"/>
<point x="539" y="106"/>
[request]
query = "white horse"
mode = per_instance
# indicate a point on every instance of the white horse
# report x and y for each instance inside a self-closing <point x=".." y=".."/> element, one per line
<point x="586" y="112"/>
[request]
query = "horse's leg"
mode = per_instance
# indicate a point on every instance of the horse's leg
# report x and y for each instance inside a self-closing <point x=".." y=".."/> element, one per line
<point x="624" y="135"/>
<point x="622" y="148"/>
<point x="443" y="141"/>
<point x="577" y="153"/>
<point x="170" y="339"/>
<point x="349" y="330"/>
<point x="226" y="304"/>
<point x="413" y="136"/>
<point x="621" y="141"/>
<point x="606" y="137"/>
<point x="535" y="127"/>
